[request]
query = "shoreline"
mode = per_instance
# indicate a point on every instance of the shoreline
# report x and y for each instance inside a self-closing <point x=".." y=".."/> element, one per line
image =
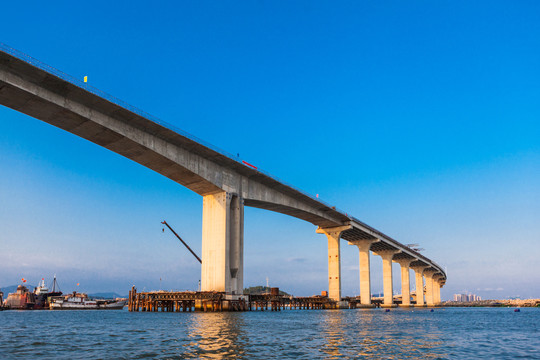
<point x="494" y="303"/>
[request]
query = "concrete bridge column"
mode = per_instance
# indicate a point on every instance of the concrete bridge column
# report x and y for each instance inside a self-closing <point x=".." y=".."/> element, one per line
<point x="405" y="282"/>
<point x="441" y="284"/>
<point x="437" y="292"/>
<point x="387" y="256"/>
<point x="437" y="289"/>
<point x="223" y="244"/>
<point x="418" y="274"/>
<point x="365" y="273"/>
<point x="428" y="274"/>
<point x="334" y="261"/>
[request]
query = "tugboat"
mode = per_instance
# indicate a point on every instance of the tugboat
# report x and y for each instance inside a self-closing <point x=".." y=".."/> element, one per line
<point x="80" y="301"/>
<point x="22" y="299"/>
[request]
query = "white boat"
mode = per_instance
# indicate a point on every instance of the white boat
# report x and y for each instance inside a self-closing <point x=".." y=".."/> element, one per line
<point x="79" y="301"/>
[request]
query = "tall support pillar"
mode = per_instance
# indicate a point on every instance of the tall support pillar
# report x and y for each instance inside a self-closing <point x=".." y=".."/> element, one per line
<point x="223" y="243"/>
<point x="418" y="274"/>
<point x="365" y="273"/>
<point x="388" y="286"/>
<point x="441" y="284"/>
<point x="334" y="261"/>
<point x="437" y="289"/>
<point x="428" y="274"/>
<point x="437" y="292"/>
<point x="405" y="282"/>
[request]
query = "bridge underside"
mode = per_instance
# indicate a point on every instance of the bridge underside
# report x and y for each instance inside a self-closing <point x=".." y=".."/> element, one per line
<point x="291" y="211"/>
<point x="61" y="116"/>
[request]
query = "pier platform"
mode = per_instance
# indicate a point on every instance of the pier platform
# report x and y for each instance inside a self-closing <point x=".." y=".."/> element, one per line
<point x="184" y="301"/>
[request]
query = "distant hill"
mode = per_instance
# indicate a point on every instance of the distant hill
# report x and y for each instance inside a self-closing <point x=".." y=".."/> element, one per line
<point x="258" y="290"/>
<point x="11" y="289"/>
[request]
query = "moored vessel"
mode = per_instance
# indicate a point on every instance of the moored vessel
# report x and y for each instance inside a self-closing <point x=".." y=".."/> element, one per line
<point x="22" y="299"/>
<point x="81" y="301"/>
<point x="43" y="295"/>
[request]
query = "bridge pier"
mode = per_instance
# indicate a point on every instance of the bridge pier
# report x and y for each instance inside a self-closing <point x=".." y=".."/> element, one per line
<point x="405" y="282"/>
<point x="365" y="272"/>
<point x="418" y="274"/>
<point x="442" y="281"/>
<point x="428" y="274"/>
<point x="437" y="289"/>
<point x="334" y="261"/>
<point x="388" y="286"/>
<point x="222" y="267"/>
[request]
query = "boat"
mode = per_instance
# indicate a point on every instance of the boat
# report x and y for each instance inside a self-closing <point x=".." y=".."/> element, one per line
<point x="81" y="301"/>
<point x="42" y="294"/>
<point x="22" y="299"/>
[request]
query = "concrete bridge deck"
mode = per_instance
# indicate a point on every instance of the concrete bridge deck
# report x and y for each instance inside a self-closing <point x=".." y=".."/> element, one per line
<point x="225" y="182"/>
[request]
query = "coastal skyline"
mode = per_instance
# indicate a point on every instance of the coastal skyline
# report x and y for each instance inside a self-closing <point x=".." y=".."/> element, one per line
<point x="390" y="120"/>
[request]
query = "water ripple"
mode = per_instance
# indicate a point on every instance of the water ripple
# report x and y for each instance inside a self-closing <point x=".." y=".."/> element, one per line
<point x="456" y="333"/>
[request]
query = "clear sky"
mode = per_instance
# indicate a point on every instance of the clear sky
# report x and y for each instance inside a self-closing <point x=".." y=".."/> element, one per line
<point x="420" y="118"/>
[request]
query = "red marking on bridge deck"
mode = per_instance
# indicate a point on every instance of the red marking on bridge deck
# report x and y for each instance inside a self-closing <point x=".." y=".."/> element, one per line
<point x="248" y="164"/>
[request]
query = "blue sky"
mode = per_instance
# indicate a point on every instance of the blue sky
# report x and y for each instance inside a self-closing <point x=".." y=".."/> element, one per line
<point x="421" y="119"/>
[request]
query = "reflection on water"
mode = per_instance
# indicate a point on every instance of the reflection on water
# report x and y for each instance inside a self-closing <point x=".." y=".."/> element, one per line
<point x="370" y="333"/>
<point x="298" y="334"/>
<point x="333" y="333"/>
<point x="216" y="335"/>
<point x="401" y="335"/>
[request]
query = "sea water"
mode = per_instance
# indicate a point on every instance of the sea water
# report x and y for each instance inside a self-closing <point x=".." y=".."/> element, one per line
<point x="444" y="333"/>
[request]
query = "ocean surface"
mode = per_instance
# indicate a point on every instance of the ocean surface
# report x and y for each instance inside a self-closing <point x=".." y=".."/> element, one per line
<point x="445" y="333"/>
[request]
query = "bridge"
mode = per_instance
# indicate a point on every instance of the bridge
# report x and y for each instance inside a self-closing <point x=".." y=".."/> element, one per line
<point x="225" y="182"/>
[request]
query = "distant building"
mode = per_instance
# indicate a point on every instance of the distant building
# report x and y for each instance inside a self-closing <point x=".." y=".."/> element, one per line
<point x="466" y="297"/>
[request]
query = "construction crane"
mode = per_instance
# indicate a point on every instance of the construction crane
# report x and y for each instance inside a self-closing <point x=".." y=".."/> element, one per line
<point x="183" y="242"/>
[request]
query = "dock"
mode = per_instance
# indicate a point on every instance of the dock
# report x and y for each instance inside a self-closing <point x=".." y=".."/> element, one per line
<point x="206" y="301"/>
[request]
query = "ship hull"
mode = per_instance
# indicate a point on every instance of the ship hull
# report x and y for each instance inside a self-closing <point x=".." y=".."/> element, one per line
<point x="117" y="305"/>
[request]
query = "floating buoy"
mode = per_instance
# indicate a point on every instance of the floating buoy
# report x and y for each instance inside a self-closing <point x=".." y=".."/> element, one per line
<point x="517" y="310"/>
<point x="387" y="310"/>
<point x="431" y="310"/>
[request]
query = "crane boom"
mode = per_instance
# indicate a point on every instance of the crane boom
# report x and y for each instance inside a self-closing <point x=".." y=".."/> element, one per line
<point x="183" y="242"/>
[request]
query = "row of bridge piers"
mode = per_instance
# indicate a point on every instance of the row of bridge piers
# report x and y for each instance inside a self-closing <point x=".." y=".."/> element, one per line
<point x="428" y="280"/>
<point x="223" y="258"/>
